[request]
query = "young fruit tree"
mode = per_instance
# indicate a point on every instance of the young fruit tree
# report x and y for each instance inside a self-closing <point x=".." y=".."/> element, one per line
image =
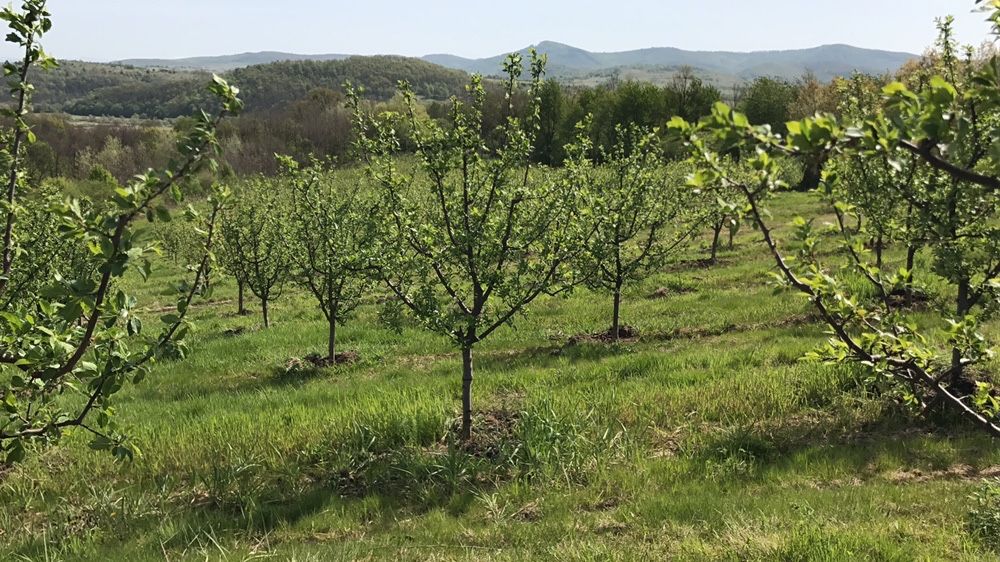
<point x="952" y="126"/>
<point x="477" y="237"/>
<point x="230" y="263"/>
<point x="68" y="348"/>
<point x="726" y="214"/>
<point x="334" y="233"/>
<point x="642" y="211"/>
<point x="255" y="237"/>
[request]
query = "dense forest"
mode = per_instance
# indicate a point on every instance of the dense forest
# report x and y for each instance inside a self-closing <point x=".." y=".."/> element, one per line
<point x="300" y="111"/>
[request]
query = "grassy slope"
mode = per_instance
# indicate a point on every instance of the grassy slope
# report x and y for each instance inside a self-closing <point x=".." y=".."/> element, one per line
<point x="706" y="439"/>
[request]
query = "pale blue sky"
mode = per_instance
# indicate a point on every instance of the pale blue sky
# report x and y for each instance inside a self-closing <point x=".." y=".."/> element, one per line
<point x="102" y="30"/>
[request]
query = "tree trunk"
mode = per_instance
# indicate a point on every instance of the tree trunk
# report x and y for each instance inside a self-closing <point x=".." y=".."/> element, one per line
<point x="716" y="233"/>
<point x="732" y="235"/>
<point x="242" y="310"/>
<point x="879" y="245"/>
<point x="332" y="344"/>
<point x="911" y="257"/>
<point x="263" y="308"/>
<point x="466" y="392"/>
<point x="616" y="315"/>
<point x="961" y="309"/>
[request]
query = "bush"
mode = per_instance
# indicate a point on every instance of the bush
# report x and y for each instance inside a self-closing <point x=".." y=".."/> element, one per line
<point x="983" y="519"/>
<point x="100" y="174"/>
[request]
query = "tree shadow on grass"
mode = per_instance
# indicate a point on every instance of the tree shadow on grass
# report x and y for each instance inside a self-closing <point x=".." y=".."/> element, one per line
<point x="896" y="446"/>
<point x="548" y="356"/>
<point x="373" y="478"/>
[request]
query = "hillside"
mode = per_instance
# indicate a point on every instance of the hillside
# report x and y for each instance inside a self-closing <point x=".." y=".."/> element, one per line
<point x="84" y="88"/>
<point x="704" y="439"/>
<point x="115" y="90"/>
<point x="270" y="85"/>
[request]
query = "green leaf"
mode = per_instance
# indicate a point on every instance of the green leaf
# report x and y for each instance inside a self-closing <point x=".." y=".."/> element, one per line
<point x="15" y="453"/>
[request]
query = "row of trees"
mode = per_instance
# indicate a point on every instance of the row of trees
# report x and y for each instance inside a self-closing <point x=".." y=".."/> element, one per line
<point x="476" y="232"/>
<point x="470" y="231"/>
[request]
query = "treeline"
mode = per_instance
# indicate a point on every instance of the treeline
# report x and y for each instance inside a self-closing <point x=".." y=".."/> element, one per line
<point x="317" y="122"/>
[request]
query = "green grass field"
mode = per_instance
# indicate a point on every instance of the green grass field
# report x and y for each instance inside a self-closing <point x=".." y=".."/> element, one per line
<point x="705" y="439"/>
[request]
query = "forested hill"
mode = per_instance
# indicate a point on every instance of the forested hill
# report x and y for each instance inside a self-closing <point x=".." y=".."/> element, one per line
<point x="116" y="90"/>
<point x="271" y="85"/>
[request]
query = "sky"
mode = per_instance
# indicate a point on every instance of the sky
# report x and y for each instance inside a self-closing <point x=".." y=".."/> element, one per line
<point x="105" y="30"/>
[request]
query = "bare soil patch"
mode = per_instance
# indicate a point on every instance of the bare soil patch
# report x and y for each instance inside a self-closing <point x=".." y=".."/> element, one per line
<point x="626" y="333"/>
<point x="954" y="472"/>
<point x="667" y="292"/>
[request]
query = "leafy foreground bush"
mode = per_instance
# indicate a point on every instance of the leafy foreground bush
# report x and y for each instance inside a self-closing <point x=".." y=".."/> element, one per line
<point x="944" y="124"/>
<point x="67" y="346"/>
<point x="983" y="520"/>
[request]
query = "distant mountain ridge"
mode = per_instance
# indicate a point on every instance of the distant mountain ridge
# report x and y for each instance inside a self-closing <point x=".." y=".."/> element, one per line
<point x="225" y="63"/>
<point x="826" y="61"/>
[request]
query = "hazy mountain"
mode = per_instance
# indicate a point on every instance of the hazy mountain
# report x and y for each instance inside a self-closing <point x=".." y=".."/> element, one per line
<point x="825" y="62"/>
<point x="576" y="64"/>
<point x="227" y="62"/>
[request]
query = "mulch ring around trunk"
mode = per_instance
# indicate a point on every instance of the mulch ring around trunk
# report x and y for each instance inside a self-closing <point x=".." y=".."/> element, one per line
<point x="311" y="365"/>
<point x="492" y="431"/>
<point x="322" y="361"/>
<point x="626" y="333"/>
<point x="912" y="298"/>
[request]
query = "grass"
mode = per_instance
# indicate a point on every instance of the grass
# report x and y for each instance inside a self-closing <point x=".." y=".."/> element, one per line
<point x="706" y="439"/>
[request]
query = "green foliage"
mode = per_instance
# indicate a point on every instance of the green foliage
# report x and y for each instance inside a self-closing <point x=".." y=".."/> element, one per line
<point x="179" y="240"/>
<point x="100" y="174"/>
<point x="632" y="103"/>
<point x="950" y="128"/>
<point x="878" y="190"/>
<point x="768" y="101"/>
<point x="43" y="255"/>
